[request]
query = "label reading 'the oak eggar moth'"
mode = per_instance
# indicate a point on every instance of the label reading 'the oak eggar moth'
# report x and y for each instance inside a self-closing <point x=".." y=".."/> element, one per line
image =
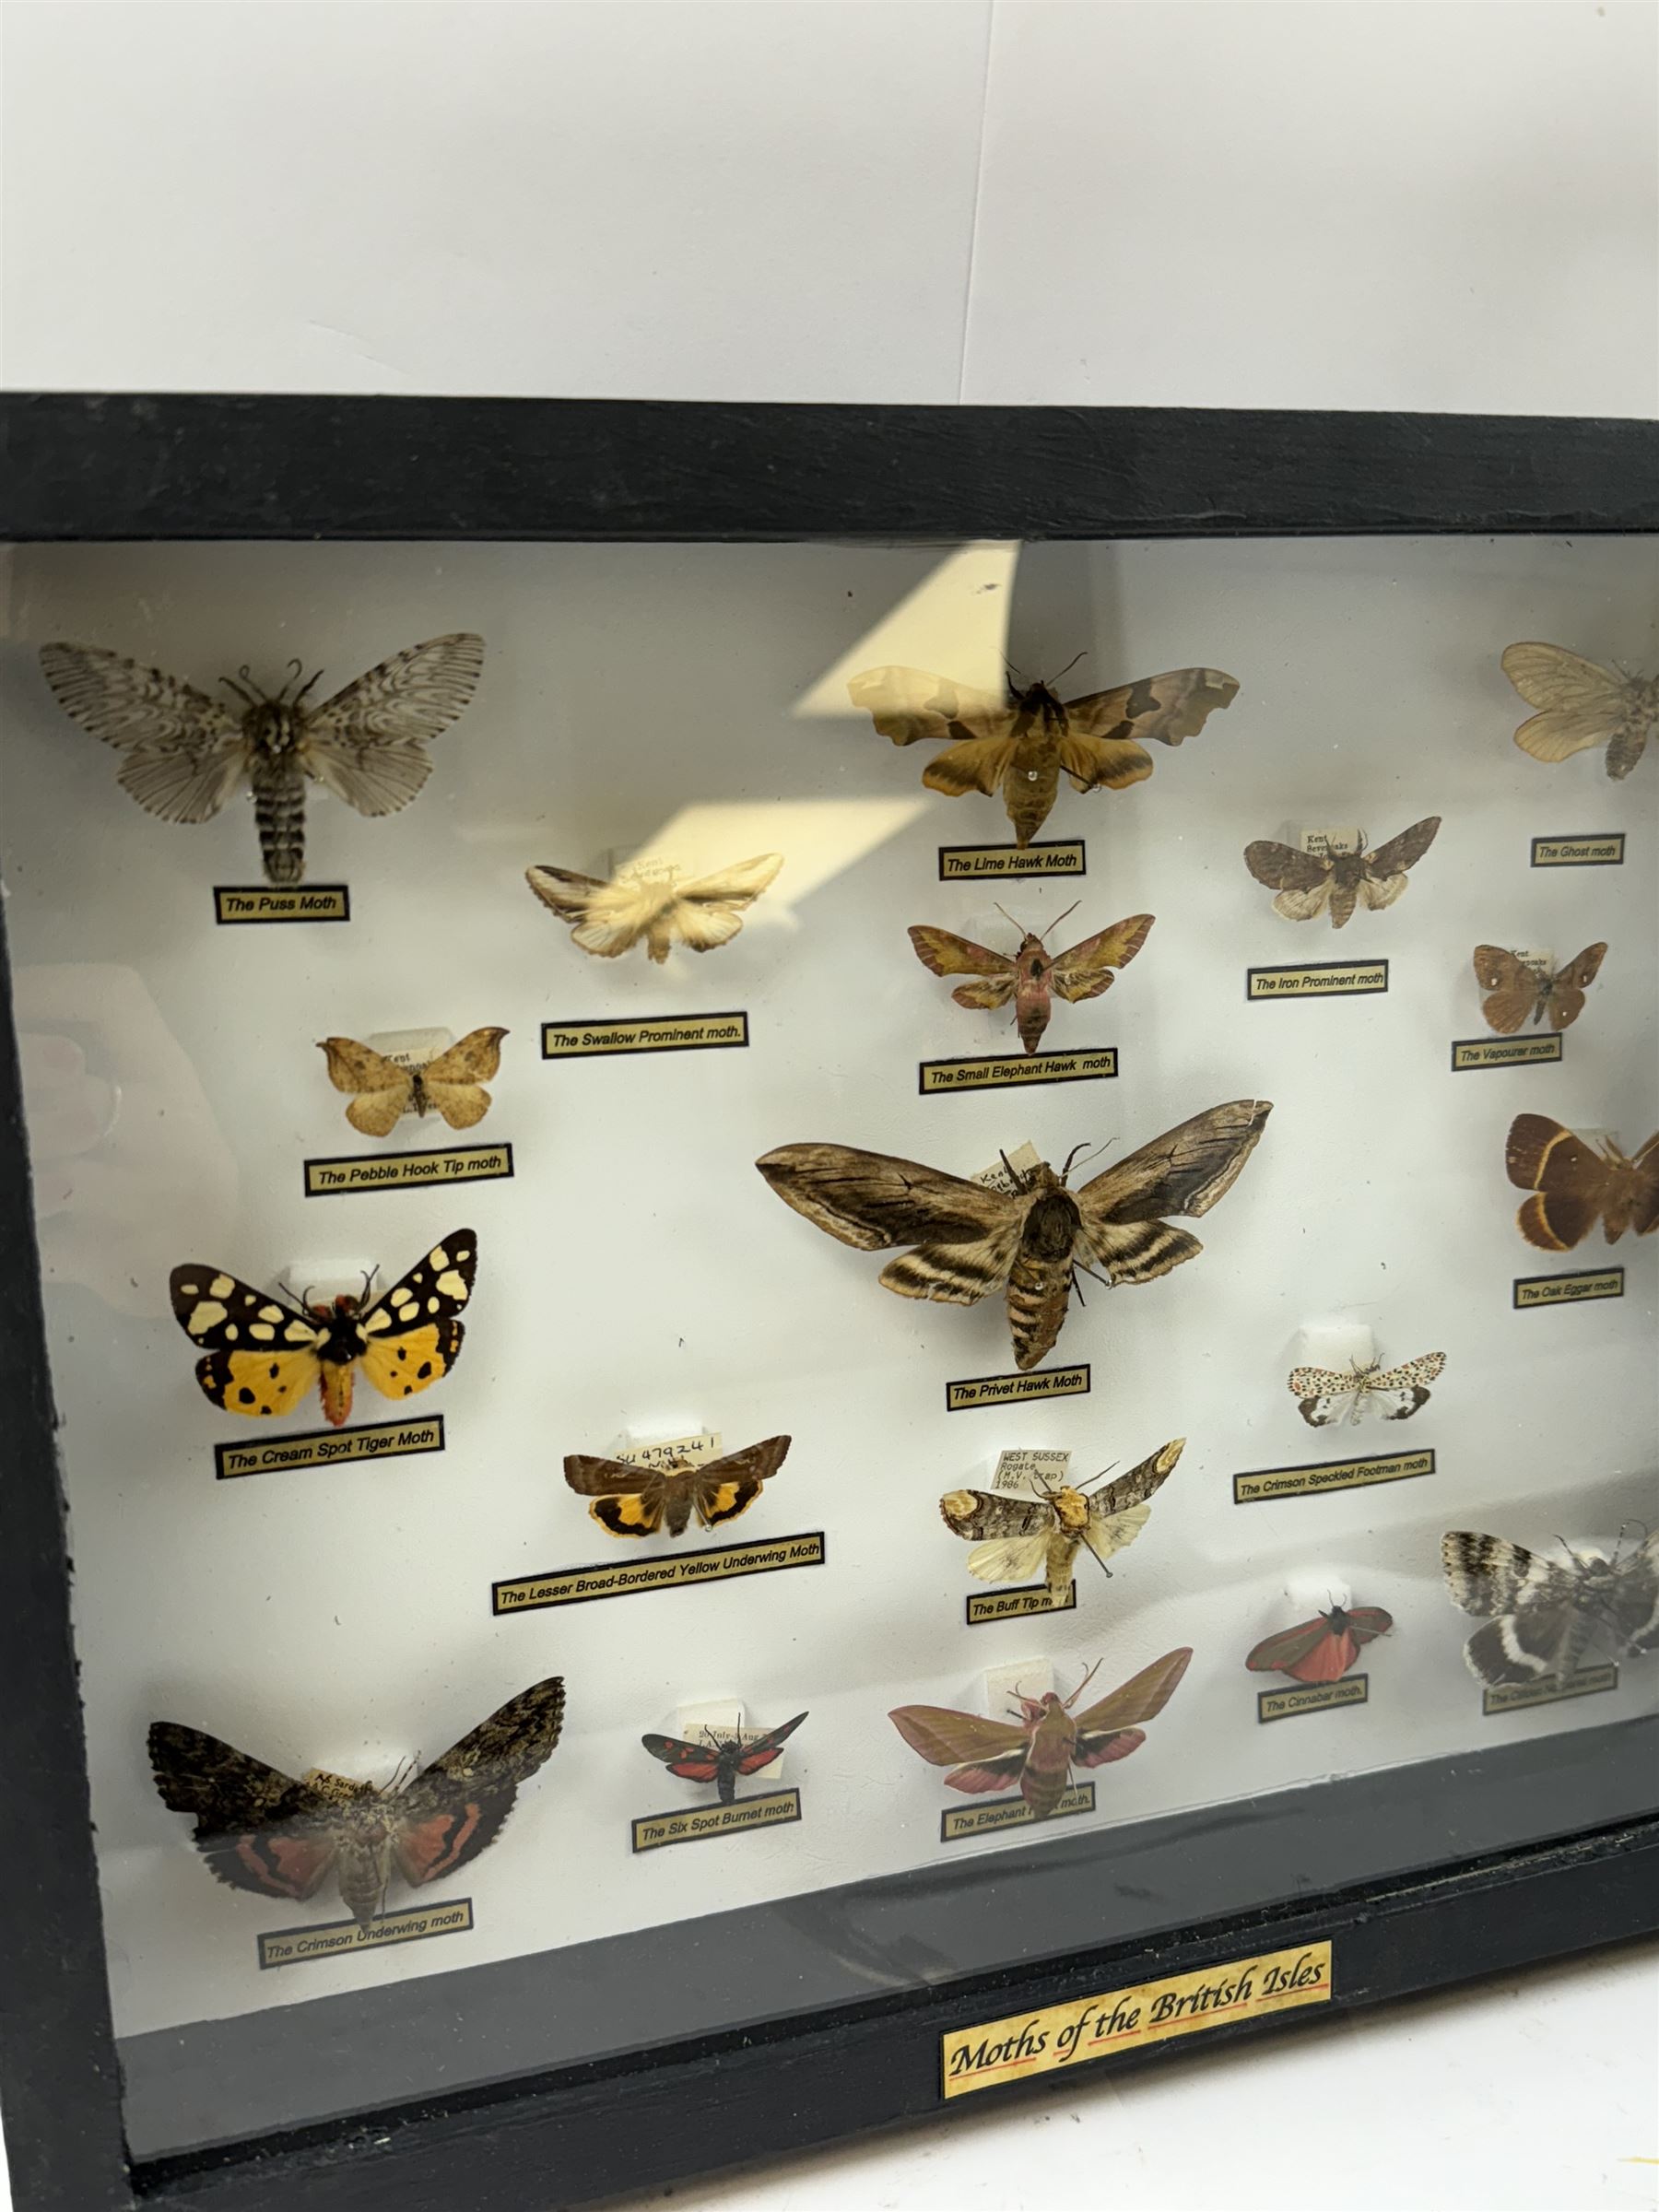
<point x="1532" y="1292"/>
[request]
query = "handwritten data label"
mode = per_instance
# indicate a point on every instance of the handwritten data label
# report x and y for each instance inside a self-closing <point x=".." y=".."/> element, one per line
<point x="960" y="1822"/>
<point x="579" y="1585"/>
<point x="391" y="1170"/>
<point x="293" y="1947"/>
<point x="329" y="1447"/>
<point x="661" y="1033"/>
<point x="1311" y="1696"/>
<point x="1530" y="1290"/>
<point x="1510" y="1696"/>
<point x="1319" y="979"/>
<point x="1010" y="1071"/>
<point x="1052" y="858"/>
<point x="767" y="1808"/>
<point x="1504" y="1052"/>
<point x="1603" y="851"/>
<point x="1330" y="1475"/>
<point x="1009" y="1390"/>
<point x="299" y="902"/>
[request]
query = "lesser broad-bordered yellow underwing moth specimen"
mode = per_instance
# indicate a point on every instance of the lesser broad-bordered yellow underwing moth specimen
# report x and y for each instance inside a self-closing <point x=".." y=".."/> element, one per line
<point x="1326" y="1396"/>
<point x="1308" y="883"/>
<point x="1015" y="1539"/>
<point x="721" y="1755"/>
<point x="382" y="1090"/>
<point x="1544" y="1616"/>
<point x="1031" y="976"/>
<point x="1518" y="991"/>
<point x="654" y="904"/>
<point x="183" y="753"/>
<point x="636" y="1501"/>
<point x="1322" y="1649"/>
<point x="1576" y="1183"/>
<point x="1583" y="704"/>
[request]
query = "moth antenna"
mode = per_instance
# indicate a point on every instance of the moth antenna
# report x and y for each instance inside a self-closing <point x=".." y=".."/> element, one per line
<point x="1059" y="918"/>
<point x="1014" y="675"/>
<point x="244" y="690"/>
<point x="1095" y="1669"/>
<point x="1104" y="1280"/>
<point x="1019" y="1180"/>
<point x="314" y="677"/>
<point x="1069" y="666"/>
<point x="1008" y="918"/>
<point x="1100" y="1477"/>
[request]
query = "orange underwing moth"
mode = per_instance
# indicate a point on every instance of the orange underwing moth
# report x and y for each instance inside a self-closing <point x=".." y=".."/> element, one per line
<point x="183" y="754"/>
<point x="259" y="1829"/>
<point x="1326" y="1395"/>
<point x="721" y="1755"/>
<point x="1039" y="1748"/>
<point x="1519" y="993"/>
<point x="1015" y="1539"/>
<point x="970" y="1240"/>
<point x="1544" y="1615"/>
<point x="1308" y="883"/>
<point x="1031" y="976"/>
<point x="1575" y="1183"/>
<point x="1019" y="745"/>
<point x="654" y="904"/>
<point x="636" y="1501"/>
<point x="1322" y="1649"/>
<point x="383" y="1090"/>
<point x="1583" y="704"/>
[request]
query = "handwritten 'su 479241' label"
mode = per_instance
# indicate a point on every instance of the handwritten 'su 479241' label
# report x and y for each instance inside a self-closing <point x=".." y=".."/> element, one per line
<point x="395" y="1171"/>
<point x="329" y="1447"/>
<point x="580" y="1586"/>
<point x="1318" y="979"/>
<point x="293" y="1947"/>
<point x="292" y="902"/>
<point x="766" y="1808"/>
<point x="659" y="1033"/>
<point x="1017" y="1389"/>
<point x="1052" y="857"/>
<point x="1017" y="1071"/>
<point x="1330" y="1475"/>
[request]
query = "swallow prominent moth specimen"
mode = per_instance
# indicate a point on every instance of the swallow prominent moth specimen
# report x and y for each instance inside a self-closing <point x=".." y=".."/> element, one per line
<point x="383" y="1090"/>
<point x="1015" y="1539"/>
<point x="1031" y="976"/>
<point x="1322" y="1649"/>
<point x="1544" y="1616"/>
<point x="1039" y="1748"/>
<point x="721" y="1755"/>
<point x="1584" y="704"/>
<point x="1018" y="746"/>
<point x="654" y="904"/>
<point x="183" y="754"/>
<point x="1518" y="993"/>
<point x="637" y="1501"/>
<point x="261" y="1829"/>
<point x="1308" y="883"/>
<point x="1325" y="1396"/>
<point x="969" y="1240"/>
<point x="1576" y="1183"/>
<point x="264" y="1354"/>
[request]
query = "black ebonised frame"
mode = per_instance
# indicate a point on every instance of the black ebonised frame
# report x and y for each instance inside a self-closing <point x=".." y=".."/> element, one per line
<point x="77" y="466"/>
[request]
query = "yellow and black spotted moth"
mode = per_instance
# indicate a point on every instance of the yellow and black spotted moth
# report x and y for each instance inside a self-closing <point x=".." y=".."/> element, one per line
<point x="264" y="1355"/>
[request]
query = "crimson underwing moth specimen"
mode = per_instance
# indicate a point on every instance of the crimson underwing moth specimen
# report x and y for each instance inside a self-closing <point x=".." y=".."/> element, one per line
<point x="1031" y="976"/>
<point x="1543" y="1615"/>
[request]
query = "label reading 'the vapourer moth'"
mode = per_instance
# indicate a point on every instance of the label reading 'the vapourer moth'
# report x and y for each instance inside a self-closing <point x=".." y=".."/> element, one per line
<point x="579" y="1585"/>
<point x="1013" y="1071"/>
<point x="962" y="1821"/>
<point x="660" y="1033"/>
<point x="1013" y="1605"/>
<point x="292" y="1947"/>
<point x="1511" y="1697"/>
<point x="1593" y="850"/>
<point x="1331" y="1474"/>
<point x="1531" y="1291"/>
<point x="1312" y="1697"/>
<point x="393" y="1171"/>
<point x="1504" y="1052"/>
<point x="766" y="1808"/>
<point x="1318" y="979"/>
<point x="1009" y="1390"/>
<point x="329" y="1447"/>
<point x="1052" y="858"/>
<point x="297" y="902"/>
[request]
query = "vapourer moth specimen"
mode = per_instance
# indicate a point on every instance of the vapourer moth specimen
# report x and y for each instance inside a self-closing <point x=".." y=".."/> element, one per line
<point x="654" y="904"/>
<point x="1016" y="1539"/>
<point x="636" y="1501"/>
<point x="1326" y="1395"/>
<point x="721" y="1756"/>
<point x="1322" y="1649"/>
<point x="1308" y="883"/>
<point x="1545" y="1615"/>
<point x="1576" y="1183"/>
<point x="1518" y="991"/>
<point x="1031" y="976"/>
<point x="1583" y="704"/>
<point x="383" y="1090"/>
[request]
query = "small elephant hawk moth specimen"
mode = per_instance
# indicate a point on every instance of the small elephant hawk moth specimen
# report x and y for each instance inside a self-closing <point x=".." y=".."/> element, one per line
<point x="1031" y="976"/>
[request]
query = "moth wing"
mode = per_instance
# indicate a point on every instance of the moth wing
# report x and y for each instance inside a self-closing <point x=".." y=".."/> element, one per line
<point x="262" y="1355"/>
<point x="1184" y="1171"/>
<point x="1564" y="1001"/>
<point x="1095" y="1749"/>
<point x="1165" y="707"/>
<point x="380" y="1091"/>
<point x="1583" y="701"/>
<point x="1101" y="763"/>
<point x="1323" y="1395"/>
<point x="1402" y="852"/>
<point x="1636" y="1601"/>
<point x="1307" y="906"/>
<point x="1486" y="1574"/>
<point x="1140" y="1484"/>
<point x="1107" y="1533"/>
<point x="367" y="743"/>
<point x="985" y="1513"/>
<point x="1142" y="1698"/>
<point x="691" y="1762"/>
<point x="413" y="1333"/>
<point x="1514" y="989"/>
<point x="907" y="705"/>
<point x="455" y="1808"/>
<point x="592" y="1478"/>
<point x="256" y="1828"/>
<point x="1288" y="1649"/>
<point x="726" y="1488"/>
<point x="1283" y="868"/>
<point x="948" y="955"/>
<point x="1012" y="1559"/>
<point x="765" y="1749"/>
<point x="563" y="891"/>
<point x="454" y="1082"/>
<point x="977" y="764"/>
<point x="1644" y="1201"/>
<point x="872" y="1200"/>
<point x="629" y="1499"/>
<point x="1569" y="1181"/>
<point x="1397" y="1392"/>
<point x="942" y="1736"/>
<point x="1366" y="1623"/>
<point x="1085" y="970"/>
<point x="709" y="912"/>
<point x="184" y="753"/>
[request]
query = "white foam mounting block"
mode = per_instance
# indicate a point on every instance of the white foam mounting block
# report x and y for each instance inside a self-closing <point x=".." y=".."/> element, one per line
<point x="410" y="1048"/>
<point x="1006" y="1685"/>
<point x="1311" y="1591"/>
<point x="1338" y="1345"/>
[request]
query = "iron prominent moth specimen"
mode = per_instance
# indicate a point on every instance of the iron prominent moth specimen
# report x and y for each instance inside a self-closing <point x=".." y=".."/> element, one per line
<point x="1308" y="883"/>
<point x="1015" y="1539"/>
<point x="969" y="1239"/>
<point x="1518" y="993"/>
<point x="1584" y="704"/>
<point x="261" y="1829"/>
<point x="721" y="1755"/>
<point x="636" y="1501"/>
<point x="1576" y="1183"/>
<point x="383" y="1090"/>
<point x="607" y="918"/>
<point x="1322" y="1649"/>
<point x="1018" y="746"/>
<point x="263" y="1355"/>
<point x="1543" y="1616"/>
<point x="1031" y="976"/>
<point x="1039" y="1747"/>
<point x="183" y="754"/>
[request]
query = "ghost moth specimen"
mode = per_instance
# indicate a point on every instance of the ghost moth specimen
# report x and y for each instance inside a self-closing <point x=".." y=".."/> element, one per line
<point x="970" y="1239"/>
<point x="1015" y="1539"/>
<point x="1581" y="704"/>
<point x="1543" y="1615"/>
<point x="1031" y="976"/>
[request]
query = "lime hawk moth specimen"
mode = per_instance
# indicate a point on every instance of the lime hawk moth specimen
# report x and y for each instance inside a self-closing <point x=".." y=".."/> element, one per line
<point x="1576" y="1182"/>
<point x="1543" y="1615"/>
<point x="969" y="1240"/>
<point x="1031" y="976"/>
<point x="183" y="753"/>
<point x="634" y="1501"/>
<point x="1322" y="1649"/>
<point x="1581" y="704"/>
<point x="721" y="1756"/>
<point x="1015" y="1539"/>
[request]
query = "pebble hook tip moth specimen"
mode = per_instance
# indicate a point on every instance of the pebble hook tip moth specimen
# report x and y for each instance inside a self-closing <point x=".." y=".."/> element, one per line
<point x="1031" y="976"/>
<point x="721" y="1755"/>
<point x="1576" y="1183"/>
<point x="1322" y="1649"/>
<point x="1545" y="1615"/>
<point x="383" y="1090"/>
<point x="636" y="1501"/>
<point x="1518" y="991"/>
<point x="1583" y="704"/>
<point x="1308" y="883"/>
<point x="183" y="754"/>
<point x="654" y="904"/>
<point x="1016" y="1539"/>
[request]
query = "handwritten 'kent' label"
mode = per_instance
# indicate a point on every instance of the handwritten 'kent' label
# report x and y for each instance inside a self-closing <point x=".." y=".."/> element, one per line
<point x="1053" y="858"/>
<point x="293" y="1947"/>
<point x="299" y="902"/>
<point x="766" y="1808"/>
<point x="1510" y="1696"/>
<point x="1014" y="1604"/>
<point x="1012" y="1390"/>
<point x="329" y="1447"/>
<point x="1531" y="1291"/>
<point x="662" y="1034"/>
<point x="1504" y="1052"/>
<point x="1312" y="1697"/>
<point x="1014" y="1071"/>
<point x="1331" y="1474"/>
<point x="395" y="1170"/>
<point x="1319" y="979"/>
<point x="962" y="1821"/>
<point x="1023" y="2043"/>
<point x="1603" y="851"/>
<point x="581" y="1585"/>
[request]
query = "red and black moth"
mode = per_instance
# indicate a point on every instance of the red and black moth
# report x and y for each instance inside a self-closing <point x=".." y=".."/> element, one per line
<point x="1322" y="1649"/>
<point x="721" y="1755"/>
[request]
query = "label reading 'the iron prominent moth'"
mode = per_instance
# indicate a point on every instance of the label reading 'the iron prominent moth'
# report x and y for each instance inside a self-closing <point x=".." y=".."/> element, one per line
<point x="580" y="1586"/>
<point x="655" y="1033"/>
<point x="1010" y="1390"/>
<point x="1531" y="1291"/>
<point x="1318" y="979"/>
<point x="329" y="1447"/>
<point x="1331" y="1474"/>
<point x="1051" y="858"/>
<point x="393" y="1171"/>
<point x="1021" y="2044"/>
<point x="766" y="1808"/>
<point x="292" y="1947"/>
<point x="295" y="902"/>
<point x="1012" y="1071"/>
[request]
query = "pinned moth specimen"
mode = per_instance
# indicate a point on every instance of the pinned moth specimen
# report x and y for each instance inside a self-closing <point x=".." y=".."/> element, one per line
<point x="1031" y="976"/>
<point x="721" y="1755"/>
<point x="1308" y="883"/>
<point x="1322" y="1649"/>
<point x="259" y="1829"/>
<point x="1015" y="1539"/>
<point x="1576" y="1182"/>
<point x="1519" y="992"/>
<point x="1039" y="1747"/>
<point x="1018" y="745"/>
<point x="383" y="1090"/>
<point x="1584" y="704"/>
<point x="264" y="1354"/>
<point x="183" y="753"/>
<point x="655" y="904"/>
<point x="1544" y="1616"/>
<point x="636" y="1501"/>
<point x="970" y="1240"/>
<point x="1325" y="1395"/>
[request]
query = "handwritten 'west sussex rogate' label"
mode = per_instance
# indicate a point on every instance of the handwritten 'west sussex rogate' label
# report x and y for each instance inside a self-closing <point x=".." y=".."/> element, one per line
<point x="1511" y="1697"/>
<point x="766" y="1808"/>
<point x="1331" y="1474"/>
<point x="580" y="1586"/>
<point x="1531" y="1291"/>
<point x="1015" y="1071"/>
<point x="1014" y="1604"/>
<point x="1504" y="1052"/>
<point x="293" y="1947"/>
<point x="1021" y="2044"/>
<point x="1053" y="858"/>
<point x="662" y="1034"/>
<point x="960" y="1822"/>
<point x="1319" y="979"/>
<point x="328" y="1447"/>
<point x="1312" y="1697"/>
<point x="297" y="902"/>
<point x="394" y="1170"/>
<point x="1604" y="850"/>
<point x="1010" y="1390"/>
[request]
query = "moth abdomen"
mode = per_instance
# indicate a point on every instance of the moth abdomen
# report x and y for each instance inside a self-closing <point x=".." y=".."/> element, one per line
<point x="1032" y="777"/>
<point x="1039" y="1295"/>
<point x="279" y="815"/>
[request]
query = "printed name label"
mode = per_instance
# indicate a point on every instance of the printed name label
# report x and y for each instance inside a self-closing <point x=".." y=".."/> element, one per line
<point x="1007" y="1390"/>
<point x="1605" y="851"/>
<point x="1568" y="1289"/>
<point x="328" y="1447"/>
<point x="297" y="902"/>
<point x="1010" y="1812"/>
<point x="1053" y="858"/>
<point x="292" y="1947"/>
<point x="578" y="1586"/>
<point x="661" y="1033"/>
<point x="1320" y="979"/>
<point x="1504" y="1052"/>
<point x="1012" y="1605"/>
<point x="387" y="1170"/>
<point x="1330" y="1475"/>
<point x="1589" y="1682"/>
<point x="1008" y="1071"/>
<point x="767" y="1808"/>
<point x="1038" y="2042"/>
<point x="1312" y="1697"/>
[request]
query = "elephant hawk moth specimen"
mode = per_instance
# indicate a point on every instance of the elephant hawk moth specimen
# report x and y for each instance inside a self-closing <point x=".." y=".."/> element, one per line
<point x="656" y="904"/>
<point x="1031" y="976"/>
<point x="1041" y="1746"/>
<point x="183" y="753"/>
<point x="383" y="1090"/>
<point x="1325" y="1395"/>
<point x="1518" y="991"/>
<point x="1322" y="1649"/>
<point x="1575" y="1182"/>
<point x="264" y="1355"/>
<point x="1019" y="745"/>
<point x="1308" y="883"/>
<point x="636" y="1501"/>
<point x="1015" y="1539"/>
<point x="280" y="1836"/>
<point x="1543" y="1615"/>
<point x="1581" y="704"/>
<point x="969" y="1239"/>
<point x="721" y="1756"/>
